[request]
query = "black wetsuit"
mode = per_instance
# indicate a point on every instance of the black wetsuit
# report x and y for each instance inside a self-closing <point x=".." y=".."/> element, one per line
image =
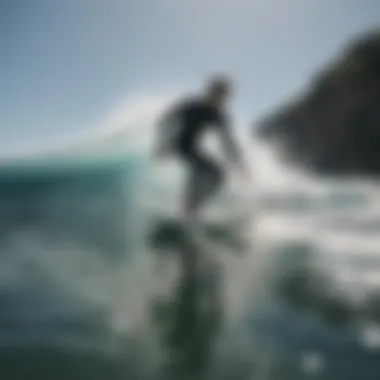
<point x="186" y="125"/>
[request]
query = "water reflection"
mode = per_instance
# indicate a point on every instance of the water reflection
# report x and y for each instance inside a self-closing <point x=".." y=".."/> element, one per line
<point x="191" y="318"/>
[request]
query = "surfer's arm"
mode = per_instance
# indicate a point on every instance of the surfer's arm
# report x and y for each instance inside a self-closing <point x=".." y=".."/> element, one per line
<point x="234" y="153"/>
<point x="229" y="143"/>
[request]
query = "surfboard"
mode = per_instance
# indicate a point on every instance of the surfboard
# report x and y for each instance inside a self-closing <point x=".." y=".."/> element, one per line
<point x="169" y="230"/>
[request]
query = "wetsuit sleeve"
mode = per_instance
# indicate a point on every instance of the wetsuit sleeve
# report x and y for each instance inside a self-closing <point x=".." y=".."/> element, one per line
<point x="228" y="141"/>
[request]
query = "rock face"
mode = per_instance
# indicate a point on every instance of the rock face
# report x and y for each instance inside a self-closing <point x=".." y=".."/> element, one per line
<point x="334" y="127"/>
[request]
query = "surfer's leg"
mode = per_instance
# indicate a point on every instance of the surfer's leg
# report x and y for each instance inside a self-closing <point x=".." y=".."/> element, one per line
<point x="192" y="193"/>
<point x="205" y="179"/>
<point x="213" y="179"/>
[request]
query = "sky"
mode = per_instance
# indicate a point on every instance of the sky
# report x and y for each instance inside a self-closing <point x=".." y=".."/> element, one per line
<point x="70" y="66"/>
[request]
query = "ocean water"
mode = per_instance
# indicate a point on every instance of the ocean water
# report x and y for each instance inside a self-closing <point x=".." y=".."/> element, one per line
<point x="99" y="281"/>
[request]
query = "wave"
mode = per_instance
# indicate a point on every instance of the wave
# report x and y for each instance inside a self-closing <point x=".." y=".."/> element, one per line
<point x="82" y="233"/>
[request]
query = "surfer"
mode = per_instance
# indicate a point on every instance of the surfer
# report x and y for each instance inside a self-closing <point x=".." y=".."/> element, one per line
<point x="180" y="132"/>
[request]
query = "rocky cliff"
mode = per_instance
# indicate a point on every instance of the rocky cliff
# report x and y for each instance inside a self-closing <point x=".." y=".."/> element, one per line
<point x="334" y="127"/>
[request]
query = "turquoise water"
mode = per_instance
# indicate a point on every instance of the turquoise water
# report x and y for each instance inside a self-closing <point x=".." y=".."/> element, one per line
<point x="94" y="285"/>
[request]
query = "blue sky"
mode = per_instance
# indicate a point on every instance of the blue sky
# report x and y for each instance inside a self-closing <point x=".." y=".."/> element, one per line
<point x="66" y="64"/>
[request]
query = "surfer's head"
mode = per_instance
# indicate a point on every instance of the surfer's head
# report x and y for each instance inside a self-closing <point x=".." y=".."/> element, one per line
<point x="219" y="89"/>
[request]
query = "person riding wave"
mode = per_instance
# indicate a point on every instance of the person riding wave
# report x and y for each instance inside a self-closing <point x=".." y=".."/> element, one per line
<point x="181" y="130"/>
